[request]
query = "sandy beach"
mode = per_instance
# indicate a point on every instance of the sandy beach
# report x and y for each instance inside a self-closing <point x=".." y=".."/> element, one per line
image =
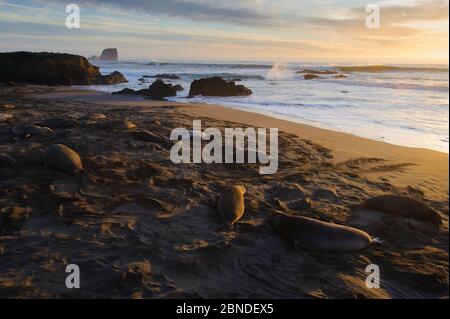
<point x="144" y="227"/>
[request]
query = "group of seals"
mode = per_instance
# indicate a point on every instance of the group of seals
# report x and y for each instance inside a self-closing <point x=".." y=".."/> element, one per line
<point x="303" y="231"/>
<point x="404" y="207"/>
<point x="317" y="235"/>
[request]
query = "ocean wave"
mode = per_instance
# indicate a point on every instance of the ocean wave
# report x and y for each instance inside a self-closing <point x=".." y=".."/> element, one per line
<point x="212" y="65"/>
<point x="388" y="68"/>
<point x="226" y="76"/>
<point x="391" y="85"/>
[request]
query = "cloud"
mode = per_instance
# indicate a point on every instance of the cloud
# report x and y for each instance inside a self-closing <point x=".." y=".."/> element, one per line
<point x="414" y="11"/>
<point x="398" y="22"/>
<point x="243" y="13"/>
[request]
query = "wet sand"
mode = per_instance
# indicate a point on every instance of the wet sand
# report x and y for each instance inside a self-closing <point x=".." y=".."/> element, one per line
<point x="147" y="228"/>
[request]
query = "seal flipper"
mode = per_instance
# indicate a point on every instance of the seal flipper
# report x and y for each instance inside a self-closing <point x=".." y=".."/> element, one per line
<point x="82" y="177"/>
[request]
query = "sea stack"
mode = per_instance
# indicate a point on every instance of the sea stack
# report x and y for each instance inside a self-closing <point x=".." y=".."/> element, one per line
<point x="110" y="54"/>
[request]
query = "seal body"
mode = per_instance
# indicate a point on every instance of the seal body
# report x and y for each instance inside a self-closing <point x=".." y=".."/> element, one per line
<point x="5" y="117"/>
<point x="119" y="125"/>
<point x="231" y="204"/>
<point x="404" y="207"/>
<point x="61" y="158"/>
<point x="317" y="235"/>
<point x="30" y="130"/>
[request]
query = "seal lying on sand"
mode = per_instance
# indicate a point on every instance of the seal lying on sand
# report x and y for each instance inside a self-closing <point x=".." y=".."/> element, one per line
<point x="59" y="123"/>
<point x="61" y="158"/>
<point x="231" y="204"/>
<point x="7" y="106"/>
<point x="317" y="235"/>
<point x="30" y="130"/>
<point x="404" y="207"/>
<point x="5" y="117"/>
<point x="119" y="125"/>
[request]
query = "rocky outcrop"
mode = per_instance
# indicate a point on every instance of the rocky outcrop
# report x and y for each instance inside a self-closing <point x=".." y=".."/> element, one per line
<point x="316" y="72"/>
<point x="114" y="78"/>
<point x="217" y="86"/>
<point x="110" y="54"/>
<point x="311" y="77"/>
<point x="158" y="90"/>
<point x="53" y="69"/>
<point x="178" y="87"/>
<point x="166" y="76"/>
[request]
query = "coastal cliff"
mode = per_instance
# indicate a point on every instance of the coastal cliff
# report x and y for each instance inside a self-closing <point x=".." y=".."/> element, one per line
<point x="53" y="69"/>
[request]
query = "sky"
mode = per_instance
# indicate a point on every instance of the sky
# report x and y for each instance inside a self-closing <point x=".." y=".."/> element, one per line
<point x="233" y="30"/>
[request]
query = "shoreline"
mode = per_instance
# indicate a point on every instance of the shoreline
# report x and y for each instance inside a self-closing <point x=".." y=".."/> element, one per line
<point x="420" y="166"/>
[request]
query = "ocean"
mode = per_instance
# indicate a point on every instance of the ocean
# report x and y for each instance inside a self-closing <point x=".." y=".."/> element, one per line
<point x="398" y="104"/>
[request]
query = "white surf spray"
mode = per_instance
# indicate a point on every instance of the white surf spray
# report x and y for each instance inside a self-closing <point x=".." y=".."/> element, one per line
<point x="280" y="72"/>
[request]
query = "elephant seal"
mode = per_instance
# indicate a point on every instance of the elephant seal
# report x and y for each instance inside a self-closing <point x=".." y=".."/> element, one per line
<point x="5" y="117"/>
<point x="313" y="234"/>
<point x="61" y="158"/>
<point x="7" y="106"/>
<point x="146" y="136"/>
<point x="30" y="130"/>
<point x="94" y="117"/>
<point x="119" y="125"/>
<point x="404" y="207"/>
<point x="231" y="204"/>
<point x="59" y="123"/>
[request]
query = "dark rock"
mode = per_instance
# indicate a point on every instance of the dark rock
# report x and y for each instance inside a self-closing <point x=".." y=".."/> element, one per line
<point x="166" y="76"/>
<point x="311" y="71"/>
<point x="340" y="76"/>
<point x="114" y="78"/>
<point x="158" y="90"/>
<point x="52" y="69"/>
<point x="311" y="77"/>
<point x="217" y="86"/>
<point x="110" y="54"/>
<point x="125" y="91"/>
<point x="178" y="87"/>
